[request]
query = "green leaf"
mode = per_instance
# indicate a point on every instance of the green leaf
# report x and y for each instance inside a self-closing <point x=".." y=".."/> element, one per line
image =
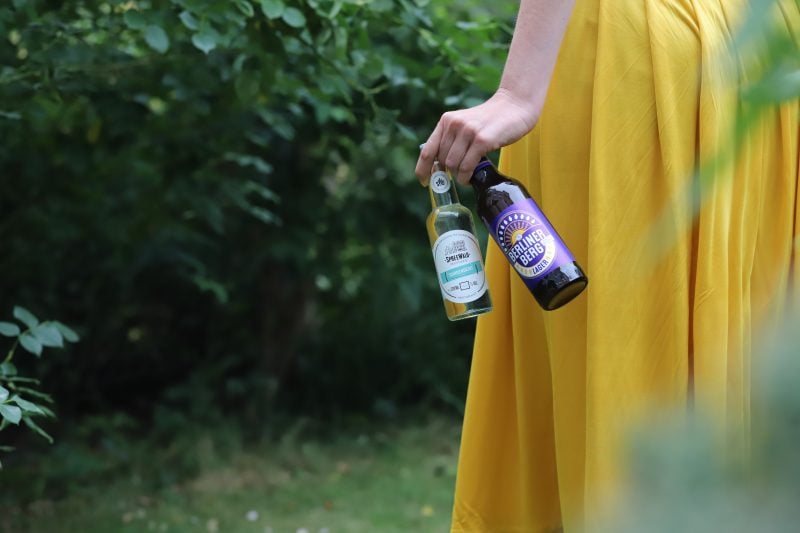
<point x="188" y="20"/>
<point x="48" y="334"/>
<point x="261" y="190"/>
<point x="272" y="9"/>
<point x="134" y="19"/>
<point x="25" y="316"/>
<point x="47" y="412"/>
<point x="7" y="448"/>
<point x="156" y="38"/>
<point x="22" y="380"/>
<point x="66" y="332"/>
<point x="205" y="40"/>
<point x="3" y="394"/>
<point x="10" y="115"/>
<point x="245" y="7"/>
<point x="36" y="394"/>
<point x="214" y="287"/>
<point x="31" y="343"/>
<point x="35" y="427"/>
<point x="25" y="405"/>
<point x="261" y="214"/>
<point x="246" y="160"/>
<point x="294" y="17"/>
<point x="9" y="329"/>
<point x="12" y="413"/>
<point x="8" y="369"/>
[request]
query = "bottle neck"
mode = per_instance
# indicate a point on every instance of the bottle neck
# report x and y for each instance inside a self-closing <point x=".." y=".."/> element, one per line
<point x="442" y="190"/>
<point x="485" y="175"/>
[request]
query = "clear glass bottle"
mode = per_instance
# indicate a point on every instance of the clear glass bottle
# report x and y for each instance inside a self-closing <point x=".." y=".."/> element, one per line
<point x="456" y="253"/>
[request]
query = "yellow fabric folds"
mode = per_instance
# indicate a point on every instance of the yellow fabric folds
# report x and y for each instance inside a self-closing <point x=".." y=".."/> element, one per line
<point x="639" y="97"/>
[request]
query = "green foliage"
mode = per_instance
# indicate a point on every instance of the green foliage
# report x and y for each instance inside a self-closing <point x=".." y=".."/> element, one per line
<point x="390" y="478"/>
<point x="221" y="193"/>
<point x="33" y="337"/>
<point x="684" y="480"/>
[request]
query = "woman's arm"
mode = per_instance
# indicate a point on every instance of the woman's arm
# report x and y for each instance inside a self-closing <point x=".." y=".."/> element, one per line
<point x="462" y="137"/>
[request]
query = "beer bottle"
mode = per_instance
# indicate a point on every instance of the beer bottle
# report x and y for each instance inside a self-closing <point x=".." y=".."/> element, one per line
<point x="456" y="254"/>
<point x="526" y="238"/>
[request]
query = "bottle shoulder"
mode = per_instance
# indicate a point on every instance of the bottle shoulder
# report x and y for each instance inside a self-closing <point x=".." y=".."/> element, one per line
<point x="494" y="199"/>
<point x="450" y="210"/>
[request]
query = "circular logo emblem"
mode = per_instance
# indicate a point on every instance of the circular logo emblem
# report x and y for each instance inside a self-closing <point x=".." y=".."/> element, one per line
<point x="440" y="182"/>
<point x="527" y="243"/>
<point x="459" y="266"/>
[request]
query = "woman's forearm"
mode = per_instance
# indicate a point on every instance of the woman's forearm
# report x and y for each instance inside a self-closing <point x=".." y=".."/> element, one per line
<point x="462" y="137"/>
<point x="534" y="48"/>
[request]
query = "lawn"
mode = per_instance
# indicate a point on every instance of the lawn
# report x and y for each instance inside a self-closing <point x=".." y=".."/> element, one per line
<point x="393" y="479"/>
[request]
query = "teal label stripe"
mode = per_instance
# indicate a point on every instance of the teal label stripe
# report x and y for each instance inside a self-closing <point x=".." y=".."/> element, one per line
<point x="460" y="272"/>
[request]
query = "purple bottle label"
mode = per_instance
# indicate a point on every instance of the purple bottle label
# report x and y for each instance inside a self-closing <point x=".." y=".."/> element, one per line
<point x="529" y="242"/>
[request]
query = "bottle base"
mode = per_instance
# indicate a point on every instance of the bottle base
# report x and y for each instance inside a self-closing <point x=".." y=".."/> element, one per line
<point x="560" y="287"/>
<point x="566" y="295"/>
<point x="470" y="314"/>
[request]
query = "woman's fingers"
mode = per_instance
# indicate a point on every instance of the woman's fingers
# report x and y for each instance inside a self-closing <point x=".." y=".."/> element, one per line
<point x="462" y="137"/>
<point x="428" y="154"/>
<point x="454" y="160"/>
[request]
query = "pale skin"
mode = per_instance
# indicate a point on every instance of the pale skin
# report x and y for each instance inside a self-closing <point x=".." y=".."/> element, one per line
<point x="462" y="137"/>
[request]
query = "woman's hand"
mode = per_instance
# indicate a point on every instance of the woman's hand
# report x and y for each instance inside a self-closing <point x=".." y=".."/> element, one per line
<point x="462" y="137"/>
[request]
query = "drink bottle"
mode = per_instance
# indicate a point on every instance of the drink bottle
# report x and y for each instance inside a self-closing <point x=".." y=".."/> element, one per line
<point x="456" y="254"/>
<point x="526" y="237"/>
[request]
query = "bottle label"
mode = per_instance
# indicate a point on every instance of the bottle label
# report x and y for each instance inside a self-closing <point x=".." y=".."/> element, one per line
<point x="459" y="266"/>
<point x="440" y="182"/>
<point x="529" y="242"/>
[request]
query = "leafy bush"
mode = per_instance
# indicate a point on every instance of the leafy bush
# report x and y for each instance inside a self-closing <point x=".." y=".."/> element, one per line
<point x="20" y="399"/>
<point x="221" y="195"/>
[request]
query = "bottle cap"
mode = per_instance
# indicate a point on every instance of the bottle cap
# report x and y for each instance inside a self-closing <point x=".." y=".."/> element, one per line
<point x="483" y="164"/>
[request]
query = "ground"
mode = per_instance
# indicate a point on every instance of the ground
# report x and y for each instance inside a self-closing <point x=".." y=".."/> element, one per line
<point x="395" y="479"/>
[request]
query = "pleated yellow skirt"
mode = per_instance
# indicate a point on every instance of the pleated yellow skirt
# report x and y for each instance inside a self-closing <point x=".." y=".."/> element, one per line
<point x="678" y="288"/>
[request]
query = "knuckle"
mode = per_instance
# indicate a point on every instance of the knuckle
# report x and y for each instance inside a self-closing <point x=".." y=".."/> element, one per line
<point x="482" y="140"/>
<point x="455" y="120"/>
<point x="472" y="129"/>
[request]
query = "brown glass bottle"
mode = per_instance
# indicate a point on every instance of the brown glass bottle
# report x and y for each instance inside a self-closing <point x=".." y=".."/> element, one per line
<point x="526" y="238"/>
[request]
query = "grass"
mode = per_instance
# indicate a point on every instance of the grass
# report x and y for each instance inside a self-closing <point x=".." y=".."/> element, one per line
<point x="395" y="479"/>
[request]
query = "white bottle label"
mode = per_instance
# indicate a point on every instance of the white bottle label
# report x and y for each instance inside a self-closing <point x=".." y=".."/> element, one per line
<point x="459" y="266"/>
<point x="440" y="182"/>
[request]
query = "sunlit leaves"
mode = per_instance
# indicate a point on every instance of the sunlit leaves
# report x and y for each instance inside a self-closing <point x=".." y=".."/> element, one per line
<point x="9" y="329"/>
<point x="293" y="17"/>
<point x="28" y="421"/>
<point x="25" y="316"/>
<point x="66" y="332"/>
<point x="245" y="7"/>
<point x="206" y="39"/>
<point x="134" y="19"/>
<point x="31" y="343"/>
<point x="188" y="20"/>
<point x="11" y="413"/>
<point x="272" y="9"/>
<point x="34" y="338"/>
<point x="48" y="335"/>
<point x="156" y="38"/>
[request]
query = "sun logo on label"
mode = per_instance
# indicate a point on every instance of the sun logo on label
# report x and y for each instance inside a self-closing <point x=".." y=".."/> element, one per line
<point x="526" y="242"/>
<point x="513" y="227"/>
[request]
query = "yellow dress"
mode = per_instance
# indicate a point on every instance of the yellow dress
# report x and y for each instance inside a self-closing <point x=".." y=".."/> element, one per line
<point x="638" y="98"/>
